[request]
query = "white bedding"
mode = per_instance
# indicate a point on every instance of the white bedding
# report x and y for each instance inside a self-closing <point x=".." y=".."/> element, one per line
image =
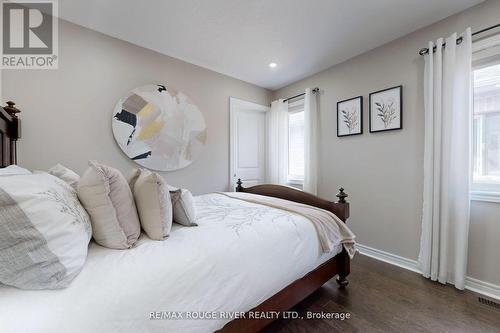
<point x="240" y="254"/>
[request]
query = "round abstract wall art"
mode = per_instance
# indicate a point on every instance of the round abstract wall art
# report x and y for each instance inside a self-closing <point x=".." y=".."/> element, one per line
<point x="159" y="128"/>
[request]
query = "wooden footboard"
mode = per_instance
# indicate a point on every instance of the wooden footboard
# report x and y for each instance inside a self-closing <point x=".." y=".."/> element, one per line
<point x="301" y="288"/>
<point x="339" y="208"/>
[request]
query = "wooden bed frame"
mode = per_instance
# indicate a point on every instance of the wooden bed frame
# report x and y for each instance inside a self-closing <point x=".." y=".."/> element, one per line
<point x="298" y="290"/>
<point x="10" y="129"/>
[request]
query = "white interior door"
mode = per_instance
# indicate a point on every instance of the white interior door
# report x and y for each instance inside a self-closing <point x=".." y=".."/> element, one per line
<point x="248" y="130"/>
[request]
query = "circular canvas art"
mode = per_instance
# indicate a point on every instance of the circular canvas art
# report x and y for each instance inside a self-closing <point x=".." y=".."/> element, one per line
<point x="159" y="128"/>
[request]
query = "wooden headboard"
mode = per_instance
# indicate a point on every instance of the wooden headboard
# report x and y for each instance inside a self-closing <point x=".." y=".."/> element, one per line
<point x="10" y="131"/>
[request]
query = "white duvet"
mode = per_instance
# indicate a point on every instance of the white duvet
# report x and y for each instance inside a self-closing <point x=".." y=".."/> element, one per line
<point x="240" y="254"/>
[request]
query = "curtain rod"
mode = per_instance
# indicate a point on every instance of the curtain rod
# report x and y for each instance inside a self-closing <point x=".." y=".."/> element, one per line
<point x="315" y="90"/>
<point x="425" y="50"/>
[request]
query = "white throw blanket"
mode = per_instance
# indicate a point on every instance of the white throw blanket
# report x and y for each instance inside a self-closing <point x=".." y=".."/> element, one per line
<point x="329" y="227"/>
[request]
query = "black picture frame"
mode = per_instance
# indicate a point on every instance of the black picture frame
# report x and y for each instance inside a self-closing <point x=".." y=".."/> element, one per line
<point x="360" y="116"/>
<point x="400" y="88"/>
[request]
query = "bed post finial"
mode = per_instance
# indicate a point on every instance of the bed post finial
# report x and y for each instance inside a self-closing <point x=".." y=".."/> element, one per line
<point x="341" y="195"/>
<point x="11" y="109"/>
<point x="239" y="188"/>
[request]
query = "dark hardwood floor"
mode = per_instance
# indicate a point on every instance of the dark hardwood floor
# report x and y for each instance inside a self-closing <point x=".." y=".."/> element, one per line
<point x="385" y="298"/>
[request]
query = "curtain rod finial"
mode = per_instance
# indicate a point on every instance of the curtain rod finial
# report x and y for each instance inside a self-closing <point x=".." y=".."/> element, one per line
<point x="423" y="51"/>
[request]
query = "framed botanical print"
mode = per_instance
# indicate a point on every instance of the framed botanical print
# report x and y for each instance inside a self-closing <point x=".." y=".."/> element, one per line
<point x="386" y="109"/>
<point x="350" y="116"/>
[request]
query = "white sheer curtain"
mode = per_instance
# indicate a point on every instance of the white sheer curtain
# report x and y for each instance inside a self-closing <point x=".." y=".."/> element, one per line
<point x="277" y="142"/>
<point x="310" y="142"/>
<point x="448" y="114"/>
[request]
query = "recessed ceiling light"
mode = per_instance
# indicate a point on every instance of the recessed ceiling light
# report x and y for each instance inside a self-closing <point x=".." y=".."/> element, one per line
<point x="273" y="65"/>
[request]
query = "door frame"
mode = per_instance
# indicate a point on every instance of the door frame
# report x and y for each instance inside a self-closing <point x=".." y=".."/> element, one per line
<point x="241" y="105"/>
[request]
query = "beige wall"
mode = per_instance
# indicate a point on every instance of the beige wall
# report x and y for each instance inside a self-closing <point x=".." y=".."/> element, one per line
<point x="383" y="172"/>
<point x="66" y="113"/>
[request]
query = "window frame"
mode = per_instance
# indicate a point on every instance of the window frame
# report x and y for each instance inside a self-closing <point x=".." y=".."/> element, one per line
<point x="485" y="52"/>
<point x="293" y="107"/>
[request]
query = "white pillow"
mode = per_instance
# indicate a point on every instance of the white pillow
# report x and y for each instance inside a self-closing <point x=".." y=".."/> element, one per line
<point x="106" y="196"/>
<point x="44" y="232"/>
<point x="68" y="175"/>
<point x="13" y="170"/>
<point x="183" y="207"/>
<point x="153" y="203"/>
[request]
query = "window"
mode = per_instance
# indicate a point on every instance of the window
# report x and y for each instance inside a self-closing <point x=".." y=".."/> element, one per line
<point x="486" y="131"/>
<point x="296" y="143"/>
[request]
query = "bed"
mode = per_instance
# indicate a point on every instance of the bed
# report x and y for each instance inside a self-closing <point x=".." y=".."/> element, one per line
<point x="243" y="258"/>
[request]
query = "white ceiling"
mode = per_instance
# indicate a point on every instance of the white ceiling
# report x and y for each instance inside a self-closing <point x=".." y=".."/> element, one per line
<point x="240" y="38"/>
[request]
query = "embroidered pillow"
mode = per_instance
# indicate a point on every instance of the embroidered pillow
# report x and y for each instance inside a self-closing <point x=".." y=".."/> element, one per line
<point x="44" y="232"/>
<point x="107" y="197"/>
<point x="68" y="175"/>
<point x="183" y="207"/>
<point x="153" y="203"/>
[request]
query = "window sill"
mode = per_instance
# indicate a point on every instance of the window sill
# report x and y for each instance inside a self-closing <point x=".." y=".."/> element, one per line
<point x="297" y="183"/>
<point x="486" y="196"/>
<point x="295" y="179"/>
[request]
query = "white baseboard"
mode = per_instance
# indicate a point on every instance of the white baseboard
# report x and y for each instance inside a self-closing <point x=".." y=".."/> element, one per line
<point x="389" y="258"/>
<point x="481" y="287"/>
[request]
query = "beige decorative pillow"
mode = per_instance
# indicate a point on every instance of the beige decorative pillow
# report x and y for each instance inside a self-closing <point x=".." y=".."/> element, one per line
<point x="107" y="197"/>
<point x="183" y="207"/>
<point x="68" y="175"/>
<point x="153" y="203"/>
